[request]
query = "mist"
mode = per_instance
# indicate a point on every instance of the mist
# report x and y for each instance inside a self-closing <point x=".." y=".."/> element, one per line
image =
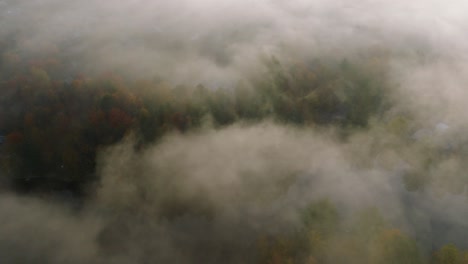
<point x="220" y="43"/>
<point x="209" y="196"/>
<point x="207" y="132"/>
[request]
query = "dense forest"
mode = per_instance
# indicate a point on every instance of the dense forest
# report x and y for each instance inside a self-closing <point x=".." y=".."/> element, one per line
<point x="54" y="127"/>
<point x="314" y="157"/>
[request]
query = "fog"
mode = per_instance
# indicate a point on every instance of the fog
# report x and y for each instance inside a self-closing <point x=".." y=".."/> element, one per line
<point x="218" y="43"/>
<point x="208" y="195"/>
<point x="205" y="197"/>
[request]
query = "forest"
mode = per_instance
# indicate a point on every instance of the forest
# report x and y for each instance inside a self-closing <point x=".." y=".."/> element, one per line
<point x="315" y="157"/>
